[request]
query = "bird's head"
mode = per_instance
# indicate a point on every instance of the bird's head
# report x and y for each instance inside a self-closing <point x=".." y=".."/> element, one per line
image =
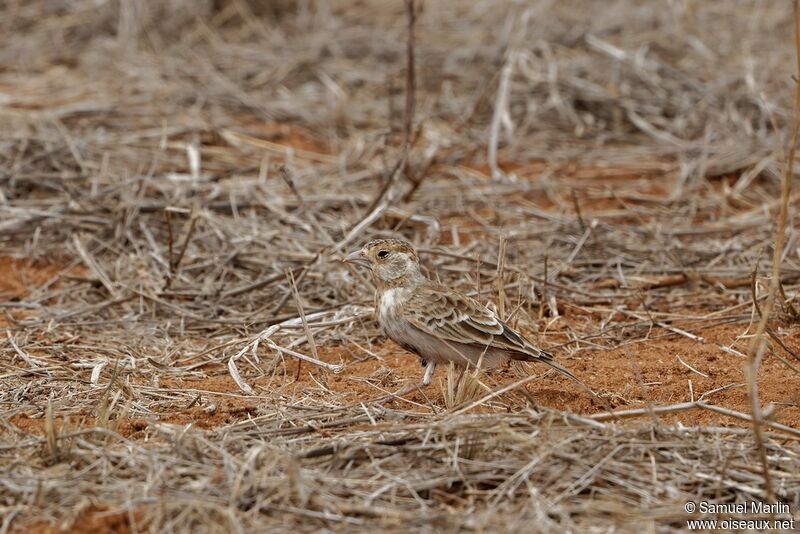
<point x="393" y="262"/>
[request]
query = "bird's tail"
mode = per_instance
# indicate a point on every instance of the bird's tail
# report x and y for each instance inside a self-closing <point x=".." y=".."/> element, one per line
<point x="546" y="357"/>
<point x="563" y="370"/>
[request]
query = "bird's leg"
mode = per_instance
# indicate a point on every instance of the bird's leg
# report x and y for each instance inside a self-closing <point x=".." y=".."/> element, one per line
<point x="430" y="367"/>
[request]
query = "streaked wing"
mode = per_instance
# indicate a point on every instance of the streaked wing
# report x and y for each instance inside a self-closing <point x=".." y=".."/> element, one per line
<point x="440" y="312"/>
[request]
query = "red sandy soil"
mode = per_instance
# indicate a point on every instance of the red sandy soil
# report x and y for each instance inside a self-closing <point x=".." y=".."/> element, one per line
<point x="94" y="519"/>
<point x="18" y="277"/>
<point x="275" y="138"/>
<point x="662" y="378"/>
<point x="604" y="192"/>
<point x="611" y="373"/>
<point x="283" y="134"/>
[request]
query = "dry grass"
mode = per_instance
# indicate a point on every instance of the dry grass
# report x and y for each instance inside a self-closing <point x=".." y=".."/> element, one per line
<point x="196" y="169"/>
<point x="461" y="388"/>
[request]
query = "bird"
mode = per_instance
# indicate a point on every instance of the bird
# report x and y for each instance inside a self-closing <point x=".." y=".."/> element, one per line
<point x="438" y="323"/>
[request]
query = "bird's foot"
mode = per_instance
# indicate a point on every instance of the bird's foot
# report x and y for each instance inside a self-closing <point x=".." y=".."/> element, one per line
<point x="427" y="378"/>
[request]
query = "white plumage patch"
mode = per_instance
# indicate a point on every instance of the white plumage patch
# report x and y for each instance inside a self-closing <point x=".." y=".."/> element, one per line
<point x="390" y="299"/>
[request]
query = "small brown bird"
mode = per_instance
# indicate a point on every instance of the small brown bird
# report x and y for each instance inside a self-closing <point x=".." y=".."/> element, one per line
<point x="437" y="323"/>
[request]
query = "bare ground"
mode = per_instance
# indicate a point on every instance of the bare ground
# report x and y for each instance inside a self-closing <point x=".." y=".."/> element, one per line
<point x="179" y="183"/>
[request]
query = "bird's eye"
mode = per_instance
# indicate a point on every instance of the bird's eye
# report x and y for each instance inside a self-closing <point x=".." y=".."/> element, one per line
<point x="383" y="253"/>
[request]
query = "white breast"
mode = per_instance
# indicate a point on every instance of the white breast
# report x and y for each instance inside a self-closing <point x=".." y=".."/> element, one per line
<point x="390" y="300"/>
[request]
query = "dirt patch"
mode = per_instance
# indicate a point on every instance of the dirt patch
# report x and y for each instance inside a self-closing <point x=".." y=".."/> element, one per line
<point x="207" y="412"/>
<point x="33" y="425"/>
<point x="291" y="136"/>
<point x="230" y="153"/>
<point x="96" y="519"/>
<point x="524" y="170"/>
<point x="462" y="229"/>
<point x="609" y="193"/>
<point x="19" y="277"/>
<point x="613" y="375"/>
<point x="288" y="135"/>
<point x="37" y="425"/>
<point x="214" y="412"/>
<point x="625" y="378"/>
<point x="716" y="375"/>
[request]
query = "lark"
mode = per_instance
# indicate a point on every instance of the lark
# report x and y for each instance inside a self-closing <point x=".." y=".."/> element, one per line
<point x="435" y="322"/>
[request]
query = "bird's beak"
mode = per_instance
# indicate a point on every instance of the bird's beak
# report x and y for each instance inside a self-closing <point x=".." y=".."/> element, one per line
<point x="357" y="257"/>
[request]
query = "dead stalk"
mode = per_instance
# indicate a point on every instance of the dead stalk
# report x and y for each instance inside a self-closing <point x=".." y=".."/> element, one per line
<point x="756" y="346"/>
